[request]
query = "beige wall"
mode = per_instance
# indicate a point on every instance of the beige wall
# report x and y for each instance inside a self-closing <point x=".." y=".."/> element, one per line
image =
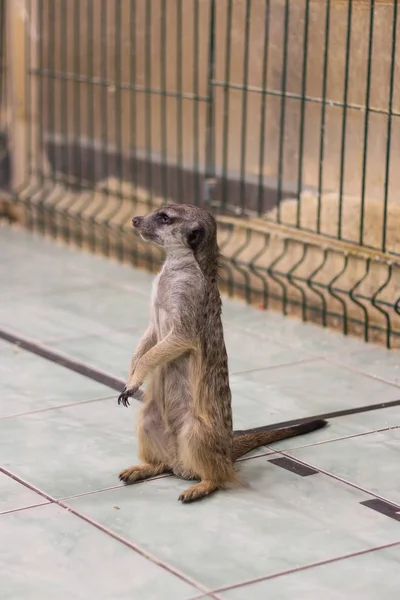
<point x="78" y="108"/>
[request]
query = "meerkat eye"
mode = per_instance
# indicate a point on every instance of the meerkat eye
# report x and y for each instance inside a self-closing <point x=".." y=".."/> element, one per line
<point x="164" y="218"/>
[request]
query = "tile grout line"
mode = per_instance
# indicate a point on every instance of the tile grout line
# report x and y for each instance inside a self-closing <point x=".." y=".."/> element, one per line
<point x="337" y="478"/>
<point x="12" y="296"/>
<point x="277" y="366"/>
<point x="105" y="530"/>
<point x="302" y="568"/>
<point x="353" y="369"/>
<point x="80" y="337"/>
<point x="26" y="484"/>
<point x="22" y="508"/>
<point x="118" y="384"/>
<point x="121" y="486"/>
<point x="329" y="355"/>
<point x="270" y="452"/>
<point x="135" y="548"/>
<point x="50" y="408"/>
<point x="320" y="443"/>
<point x="63" y="360"/>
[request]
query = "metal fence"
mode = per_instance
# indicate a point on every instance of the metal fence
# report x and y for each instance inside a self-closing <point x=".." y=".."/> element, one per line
<point x="281" y="116"/>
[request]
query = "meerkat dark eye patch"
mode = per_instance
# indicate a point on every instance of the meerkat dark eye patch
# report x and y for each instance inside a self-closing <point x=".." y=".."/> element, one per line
<point x="163" y="218"/>
<point x="195" y="237"/>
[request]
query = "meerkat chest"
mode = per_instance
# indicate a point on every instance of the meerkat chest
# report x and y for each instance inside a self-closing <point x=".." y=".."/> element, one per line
<point x="161" y="313"/>
<point x="172" y="292"/>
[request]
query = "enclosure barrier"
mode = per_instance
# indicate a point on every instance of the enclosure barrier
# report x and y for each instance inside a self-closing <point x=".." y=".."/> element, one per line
<point x="280" y="116"/>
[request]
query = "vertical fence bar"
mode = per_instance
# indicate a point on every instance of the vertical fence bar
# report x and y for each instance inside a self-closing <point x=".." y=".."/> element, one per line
<point x="323" y="112"/>
<point x="30" y="52"/>
<point x="260" y="193"/>
<point x="179" y="107"/>
<point x="148" y="107"/>
<point x="344" y="118"/>
<point x="244" y="108"/>
<point x="163" y="98"/>
<point x="39" y="142"/>
<point x="118" y="120"/>
<point x="225" y="140"/>
<point x="77" y="111"/>
<point x="283" y="110"/>
<point x="389" y="125"/>
<point x="63" y="59"/>
<point x="132" y="96"/>
<point x="209" y="181"/>
<point x="132" y="112"/>
<point x="104" y="115"/>
<point x="148" y="104"/>
<point x="51" y="98"/>
<point x="196" y="130"/>
<point x="366" y="120"/>
<point x="302" y="111"/>
<point x="90" y="107"/>
<point x="30" y="56"/>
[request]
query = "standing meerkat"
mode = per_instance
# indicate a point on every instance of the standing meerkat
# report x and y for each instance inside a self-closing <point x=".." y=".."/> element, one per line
<point x="185" y="423"/>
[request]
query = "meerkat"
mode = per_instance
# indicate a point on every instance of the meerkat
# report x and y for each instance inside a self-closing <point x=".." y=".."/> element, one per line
<point x="185" y="422"/>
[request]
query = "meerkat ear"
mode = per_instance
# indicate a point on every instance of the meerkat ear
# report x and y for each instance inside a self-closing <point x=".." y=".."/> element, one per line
<point x="195" y="236"/>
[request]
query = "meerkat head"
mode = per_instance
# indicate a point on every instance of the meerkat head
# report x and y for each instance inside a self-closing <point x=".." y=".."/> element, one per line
<point x="178" y="226"/>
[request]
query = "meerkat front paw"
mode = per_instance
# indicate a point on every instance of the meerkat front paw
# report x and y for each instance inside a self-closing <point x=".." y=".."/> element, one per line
<point x="128" y="392"/>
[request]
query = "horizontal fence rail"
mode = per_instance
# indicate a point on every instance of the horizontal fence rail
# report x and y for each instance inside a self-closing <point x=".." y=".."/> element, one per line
<point x="280" y="116"/>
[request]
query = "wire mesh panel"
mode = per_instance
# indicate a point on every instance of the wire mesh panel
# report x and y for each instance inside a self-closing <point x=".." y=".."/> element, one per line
<point x="307" y="115"/>
<point x="281" y="116"/>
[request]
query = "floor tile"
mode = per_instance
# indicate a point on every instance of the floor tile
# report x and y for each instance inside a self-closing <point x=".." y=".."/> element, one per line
<point x="246" y="352"/>
<point x="35" y="268"/>
<point x="366" y="577"/>
<point x="14" y="495"/>
<point x="36" y="262"/>
<point x="246" y="532"/>
<point x="6" y="347"/>
<point x="71" y="450"/>
<point x="302" y="336"/>
<point x="37" y="319"/>
<point x="303" y="390"/>
<point x="109" y="306"/>
<point x="29" y="382"/>
<point x="370" y="461"/>
<point x="72" y="559"/>
<point x="111" y="353"/>
<point x="349" y="425"/>
<point x="378" y="362"/>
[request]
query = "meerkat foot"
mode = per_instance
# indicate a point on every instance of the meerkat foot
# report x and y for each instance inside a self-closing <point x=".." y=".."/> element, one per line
<point x="129" y="391"/>
<point x="198" y="491"/>
<point x="140" y="472"/>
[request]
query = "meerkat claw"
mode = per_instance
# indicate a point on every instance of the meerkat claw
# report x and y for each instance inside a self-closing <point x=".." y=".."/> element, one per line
<point x="123" y="398"/>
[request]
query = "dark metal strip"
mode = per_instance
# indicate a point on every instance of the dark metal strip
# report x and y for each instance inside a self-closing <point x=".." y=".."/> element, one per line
<point x="293" y="466"/>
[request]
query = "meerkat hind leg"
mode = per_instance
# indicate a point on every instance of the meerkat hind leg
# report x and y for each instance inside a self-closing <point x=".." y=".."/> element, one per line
<point x="141" y="472"/>
<point x="199" y="490"/>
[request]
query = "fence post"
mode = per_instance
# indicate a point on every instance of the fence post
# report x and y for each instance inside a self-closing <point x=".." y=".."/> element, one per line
<point x="21" y="16"/>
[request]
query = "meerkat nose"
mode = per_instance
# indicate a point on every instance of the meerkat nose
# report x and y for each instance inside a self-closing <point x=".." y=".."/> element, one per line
<point x="135" y="221"/>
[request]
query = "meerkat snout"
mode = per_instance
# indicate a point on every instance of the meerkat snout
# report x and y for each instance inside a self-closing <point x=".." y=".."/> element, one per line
<point x="135" y="221"/>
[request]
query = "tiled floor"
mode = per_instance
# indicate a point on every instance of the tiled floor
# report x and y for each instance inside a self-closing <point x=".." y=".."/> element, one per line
<point x="68" y="529"/>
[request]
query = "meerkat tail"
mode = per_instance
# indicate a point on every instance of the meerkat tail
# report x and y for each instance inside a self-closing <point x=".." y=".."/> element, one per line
<point x="245" y="441"/>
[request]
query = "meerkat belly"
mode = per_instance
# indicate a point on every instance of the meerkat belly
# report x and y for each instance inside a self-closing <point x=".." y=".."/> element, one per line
<point x="163" y="323"/>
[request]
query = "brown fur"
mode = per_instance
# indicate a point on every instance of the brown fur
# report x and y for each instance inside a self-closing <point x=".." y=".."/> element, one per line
<point x="185" y="425"/>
